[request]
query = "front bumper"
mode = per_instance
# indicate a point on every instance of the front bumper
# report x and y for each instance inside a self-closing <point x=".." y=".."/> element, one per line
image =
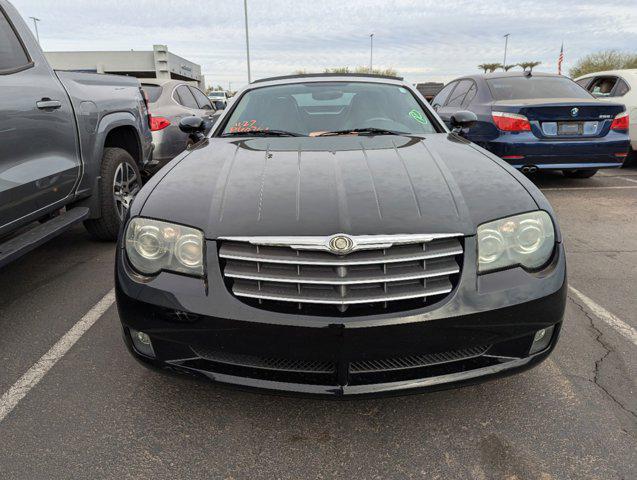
<point x="483" y="329"/>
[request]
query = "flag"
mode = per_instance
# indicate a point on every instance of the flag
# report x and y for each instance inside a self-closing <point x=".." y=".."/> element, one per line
<point x="560" y="59"/>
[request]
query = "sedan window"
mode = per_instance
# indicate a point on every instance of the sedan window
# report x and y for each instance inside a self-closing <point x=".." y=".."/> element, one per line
<point x="317" y="108"/>
<point x="440" y="99"/>
<point x="456" y="98"/>
<point x="524" y="87"/>
<point x="603" y="86"/>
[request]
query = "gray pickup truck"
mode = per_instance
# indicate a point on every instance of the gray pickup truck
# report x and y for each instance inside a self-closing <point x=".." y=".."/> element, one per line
<point x="72" y="145"/>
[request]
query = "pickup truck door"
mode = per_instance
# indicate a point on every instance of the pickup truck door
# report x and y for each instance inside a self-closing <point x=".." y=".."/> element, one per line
<point x="39" y="157"/>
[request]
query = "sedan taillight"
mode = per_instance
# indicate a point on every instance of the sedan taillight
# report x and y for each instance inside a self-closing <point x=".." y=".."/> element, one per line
<point x="620" y="122"/>
<point x="158" y="123"/>
<point x="511" y="122"/>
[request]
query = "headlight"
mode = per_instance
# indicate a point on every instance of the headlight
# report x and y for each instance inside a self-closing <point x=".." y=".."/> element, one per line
<point x="153" y="246"/>
<point x="526" y="240"/>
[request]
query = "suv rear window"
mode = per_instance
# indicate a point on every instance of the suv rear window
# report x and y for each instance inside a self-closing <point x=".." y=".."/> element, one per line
<point x="516" y="88"/>
<point x="153" y="91"/>
<point x="12" y="54"/>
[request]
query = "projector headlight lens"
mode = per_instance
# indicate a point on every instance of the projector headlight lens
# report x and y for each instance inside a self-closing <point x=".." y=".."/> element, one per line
<point x="526" y="240"/>
<point x="153" y="245"/>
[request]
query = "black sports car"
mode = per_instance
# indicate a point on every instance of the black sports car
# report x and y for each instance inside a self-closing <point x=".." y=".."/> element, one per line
<point x="332" y="236"/>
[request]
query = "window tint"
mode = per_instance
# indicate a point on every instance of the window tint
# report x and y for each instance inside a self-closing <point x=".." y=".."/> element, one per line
<point x="602" y="86"/>
<point x="203" y="102"/>
<point x="12" y="55"/>
<point x="470" y="95"/>
<point x="457" y="96"/>
<point x="439" y="100"/>
<point x="516" y="88"/>
<point x="153" y="91"/>
<point x="185" y="97"/>
<point x="621" y="88"/>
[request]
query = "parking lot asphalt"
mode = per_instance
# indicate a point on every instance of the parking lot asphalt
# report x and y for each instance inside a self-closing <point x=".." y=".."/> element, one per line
<point x="96" y="413"/>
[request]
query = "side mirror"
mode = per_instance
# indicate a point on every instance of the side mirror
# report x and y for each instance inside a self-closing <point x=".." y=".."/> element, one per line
<point x="195" y="127"/>
<point x="462" y="120"/>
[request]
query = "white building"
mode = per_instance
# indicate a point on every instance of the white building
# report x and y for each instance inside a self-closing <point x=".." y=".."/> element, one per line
<point x="158" y="63"/>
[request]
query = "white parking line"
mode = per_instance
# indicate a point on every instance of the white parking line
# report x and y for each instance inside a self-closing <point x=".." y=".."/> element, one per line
<point x="600" y="312"/>
<point x="619" y="187"/>
<point x="30" y="379"/>
<point x="629" y="179"/>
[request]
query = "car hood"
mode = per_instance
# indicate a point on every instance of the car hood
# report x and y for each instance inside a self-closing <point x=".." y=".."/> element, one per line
<point x="349" y="184"/>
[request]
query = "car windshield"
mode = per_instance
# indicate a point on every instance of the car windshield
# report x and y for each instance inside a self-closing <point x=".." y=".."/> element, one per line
<point x="328" y="108"/>
<point x="516" y="88"/>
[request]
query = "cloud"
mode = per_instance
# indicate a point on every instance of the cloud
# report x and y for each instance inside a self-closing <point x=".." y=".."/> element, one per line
<point x="423" y="40"/>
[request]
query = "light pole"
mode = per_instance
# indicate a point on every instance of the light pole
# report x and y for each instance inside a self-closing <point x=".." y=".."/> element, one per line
<point x="371" y="52"/>
<point x="245" y="10"/>
<point x="506" y="44"/>
<point x="35" y="24"/>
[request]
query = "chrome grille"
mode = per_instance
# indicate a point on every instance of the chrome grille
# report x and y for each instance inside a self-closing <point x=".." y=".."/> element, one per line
<point x="407" y="271"/>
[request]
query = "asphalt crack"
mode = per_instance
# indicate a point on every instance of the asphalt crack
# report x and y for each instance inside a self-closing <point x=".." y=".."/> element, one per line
<point x="607" y="351"/>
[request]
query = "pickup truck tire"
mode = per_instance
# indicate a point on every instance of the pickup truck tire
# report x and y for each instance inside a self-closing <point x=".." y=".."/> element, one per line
<point x="120" y="182"/>
<point x="583" y="173"/>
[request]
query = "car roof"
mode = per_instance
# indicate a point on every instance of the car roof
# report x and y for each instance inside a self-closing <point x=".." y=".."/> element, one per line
<point x="328" y="77"/>
<point x="631" y="71"/>
<point x="517" y="73"/>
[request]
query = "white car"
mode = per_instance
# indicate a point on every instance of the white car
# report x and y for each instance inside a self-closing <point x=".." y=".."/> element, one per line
<point x="621" y="86"/>
<point x="219" y="96"/>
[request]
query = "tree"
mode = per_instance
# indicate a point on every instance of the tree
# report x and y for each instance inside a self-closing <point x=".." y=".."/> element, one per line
<point x="388" y="72"/>
<point x="601" y="61"/>
<point x="490" y="67"/>
<point x="337" y="70"/>
<point x="529" y="65"/>
<point x="506" y="68"/>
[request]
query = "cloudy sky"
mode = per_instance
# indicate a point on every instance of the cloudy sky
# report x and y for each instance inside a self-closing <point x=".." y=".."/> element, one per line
<point x="424" y="40"/>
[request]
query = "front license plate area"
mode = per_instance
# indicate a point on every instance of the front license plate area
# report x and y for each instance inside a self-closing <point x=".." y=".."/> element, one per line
<point x="570" y="128"/>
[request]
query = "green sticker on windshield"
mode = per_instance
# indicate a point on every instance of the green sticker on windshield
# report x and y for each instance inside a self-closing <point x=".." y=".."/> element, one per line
<point x="419" y="117"/>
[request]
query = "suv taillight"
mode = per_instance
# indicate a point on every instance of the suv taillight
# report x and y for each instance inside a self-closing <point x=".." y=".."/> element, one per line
<point x="158" y="123"/>
<point x="620" y="122"/>
<point x="511" y="122"/>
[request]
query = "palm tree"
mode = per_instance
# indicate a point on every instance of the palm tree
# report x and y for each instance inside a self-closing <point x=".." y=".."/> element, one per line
<point x="506" y="68"/>
<point x="528" y="65"/>
<point x="490" y="67"/>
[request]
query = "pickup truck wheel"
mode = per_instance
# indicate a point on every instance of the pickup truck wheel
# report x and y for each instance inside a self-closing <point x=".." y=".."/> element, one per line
<point x="120" y="183"/>
<point x="584" y="173"/>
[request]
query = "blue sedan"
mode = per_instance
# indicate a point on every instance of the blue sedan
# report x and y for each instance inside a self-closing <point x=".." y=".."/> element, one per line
<point x="539" y="121"/>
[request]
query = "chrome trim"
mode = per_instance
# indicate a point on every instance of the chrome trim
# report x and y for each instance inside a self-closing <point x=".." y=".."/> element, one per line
<point x="344" y="263"/>
<point x="305" y="299"/>
<point x="342" y="281"/>
<point x="360" y="242"/>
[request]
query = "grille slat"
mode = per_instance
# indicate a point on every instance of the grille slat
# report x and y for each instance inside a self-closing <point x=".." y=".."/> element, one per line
<point x="248" y="271"/>
<point x="376" y="278"/>
<point x="415" y="361"/>
<point x="266" y="363"/>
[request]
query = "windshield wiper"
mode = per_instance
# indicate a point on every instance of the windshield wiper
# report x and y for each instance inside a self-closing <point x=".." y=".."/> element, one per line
<point x="364" y="131"/>
<point x="262" y="133"/>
